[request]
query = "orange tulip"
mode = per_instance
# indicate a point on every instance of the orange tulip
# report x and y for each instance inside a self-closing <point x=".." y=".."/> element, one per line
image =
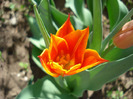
<point x="124" y="38"/>
<point x="67" y="53"/>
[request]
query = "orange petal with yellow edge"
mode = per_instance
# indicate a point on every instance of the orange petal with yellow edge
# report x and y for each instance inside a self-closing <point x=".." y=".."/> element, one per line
<point x="92" y="57"/>
<point x="77" y="42"/>
<point x="44" y="58"/>
<point x="58" y="69"/>
<point x="66" y="28"/>
<point x="73" y="69"/>
<point x="81" y="46"/>
<point x="56" y="46"/>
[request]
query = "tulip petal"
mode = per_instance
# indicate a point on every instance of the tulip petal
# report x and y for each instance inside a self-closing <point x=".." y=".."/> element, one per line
<point x="44" y="58"/>
<point x="58" y="68"/>
<point x="57" y="46"/>
<point x="92" y="57"/>
<point x="77" y="42"/>
<point x="73" y="69"/>
<point x="66" y="28"/>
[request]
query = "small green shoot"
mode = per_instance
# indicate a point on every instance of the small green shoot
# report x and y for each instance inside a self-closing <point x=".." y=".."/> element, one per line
<point x="24" y="65"/>
<point x="1" y="58"/>
<point x="12" y="6"/>
<point x="116" y="94"/>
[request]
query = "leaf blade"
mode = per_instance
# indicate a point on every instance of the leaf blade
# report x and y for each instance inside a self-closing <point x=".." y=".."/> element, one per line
<point x="42" y="27"/>
<point x="45" y="88"/>
<point x="97" y="25"/>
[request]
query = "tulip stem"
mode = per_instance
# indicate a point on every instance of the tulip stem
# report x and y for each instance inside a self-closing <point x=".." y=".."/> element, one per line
<point x="97" y="25"/>
<point x="62" y="82"/>
<point x="65" y="84"/>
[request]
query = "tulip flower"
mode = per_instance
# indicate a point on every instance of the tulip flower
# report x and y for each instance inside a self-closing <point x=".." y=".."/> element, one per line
<point x="124" y="38"/>
<point x="67" y="53"/>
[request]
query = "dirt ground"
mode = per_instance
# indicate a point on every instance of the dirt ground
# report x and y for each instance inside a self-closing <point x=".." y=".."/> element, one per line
<point x="16" y="53"/>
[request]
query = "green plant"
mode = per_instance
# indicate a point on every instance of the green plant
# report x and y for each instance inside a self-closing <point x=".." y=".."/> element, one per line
<point x="116" y="94"/>
<point x="1" y="58"/>
<point x="24" y="65"/>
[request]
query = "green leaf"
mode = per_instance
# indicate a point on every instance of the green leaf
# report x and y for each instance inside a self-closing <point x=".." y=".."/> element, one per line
<point x="59" y="18"/>
<point x="76" y="6"/>
<point x="97" y="25"/>
<point x="52" y="3"/>
<point x="117" y="53"/>
<point x="45" y="88"/>
<point x="123" y="10"/>
<point x="90" y="5"/>
<point x="36" y="52"/>
<point x="1" y="58"/>
<point x="44" y="11"/>
<point x="42" y="27"/>
<point x="36" y="2"/>
<point x="36" y="39"/>
<point x="82" y="13"/>
<point x="39" y="43"/>
<point x="116" y="29"/>
<point x="117" y="12"/>
<point x="95" y="78"/>
<point x="34" y="27"/>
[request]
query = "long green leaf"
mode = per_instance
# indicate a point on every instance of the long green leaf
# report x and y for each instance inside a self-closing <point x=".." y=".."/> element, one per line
<point x="36" y="2"/>
<point x="97" y="25"/>
<point x="42" y="27"/>
<point x="90" y="5"/>
<point x="117" y="12"/>
<point x="45" y="88"/>
<point x="44" y="11"/>
<point x="95" y="78"/>
<point x="52" y="3"/>
<point x="113" y="12"/>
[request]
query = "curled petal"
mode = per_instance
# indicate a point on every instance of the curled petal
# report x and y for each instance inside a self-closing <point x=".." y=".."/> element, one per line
<point x="57" y="45"/>
<point x="44" y="58"/>
<point x="58" y="69"/>
<point x="73" y="69"/>
<point x="66" y="28"/>
<point x="92" y="57"/>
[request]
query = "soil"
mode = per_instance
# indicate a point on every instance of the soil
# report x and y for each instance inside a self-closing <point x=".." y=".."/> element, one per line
<point x="16" y="51"/>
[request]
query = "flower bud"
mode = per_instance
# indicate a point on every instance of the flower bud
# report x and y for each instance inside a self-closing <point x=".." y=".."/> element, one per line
<point x="124" y="38"/>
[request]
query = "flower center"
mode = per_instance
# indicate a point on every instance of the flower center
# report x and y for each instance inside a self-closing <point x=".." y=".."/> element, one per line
<point x="63" y="60"/>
